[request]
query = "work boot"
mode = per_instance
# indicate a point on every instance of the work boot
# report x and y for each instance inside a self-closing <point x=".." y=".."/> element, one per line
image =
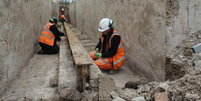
<point x="40" y="52"/>
<point x="113" y="71"/>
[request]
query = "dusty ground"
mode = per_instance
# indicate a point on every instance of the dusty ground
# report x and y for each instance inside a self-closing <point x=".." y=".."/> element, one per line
<point x="123" y="76"/>
<point x="33" y="81"/>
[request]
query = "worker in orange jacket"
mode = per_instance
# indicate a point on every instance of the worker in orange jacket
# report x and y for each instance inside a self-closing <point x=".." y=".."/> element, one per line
<point x="48" y="38"/>
<point x="62" y="16"/>
<point x="62" y="11"/>
<point x="109" y="52"/>
<point x="63" y="19"/>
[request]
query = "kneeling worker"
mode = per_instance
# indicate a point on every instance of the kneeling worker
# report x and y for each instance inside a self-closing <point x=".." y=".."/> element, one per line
<point x="109" y="52"/>
<point x="48" y="38"/>
<point x="63" y="19"/>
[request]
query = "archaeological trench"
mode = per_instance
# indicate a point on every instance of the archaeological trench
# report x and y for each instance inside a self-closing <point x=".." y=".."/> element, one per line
<point x="157" y="35"/>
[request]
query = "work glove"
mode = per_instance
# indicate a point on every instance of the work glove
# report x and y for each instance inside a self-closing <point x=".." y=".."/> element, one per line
<point x="98" y="55"/>
<point x="97" y="50"/>
<point x="64" y="34"/>
<point x="58" y="38"/>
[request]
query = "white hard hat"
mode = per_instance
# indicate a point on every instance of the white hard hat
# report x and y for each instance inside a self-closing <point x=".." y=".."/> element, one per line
<point x="62" y="9"/>
<point x="105" y="24"/>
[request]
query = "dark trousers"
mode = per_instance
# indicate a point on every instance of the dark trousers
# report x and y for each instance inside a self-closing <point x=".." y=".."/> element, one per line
<point x="49" y="49"/>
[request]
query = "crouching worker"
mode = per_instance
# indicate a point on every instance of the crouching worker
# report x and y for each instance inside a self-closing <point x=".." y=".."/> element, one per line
<point x="48" y="38"/>
<point x="109" y="52"/>
<point x="63" y="19"/>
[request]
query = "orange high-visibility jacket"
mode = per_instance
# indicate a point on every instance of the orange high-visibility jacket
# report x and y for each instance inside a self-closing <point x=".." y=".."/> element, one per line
<point x="47" y="37"/>
<point x="118" y="58"/>
<point x="62" y="13"/>
<point x="62" y="16"/>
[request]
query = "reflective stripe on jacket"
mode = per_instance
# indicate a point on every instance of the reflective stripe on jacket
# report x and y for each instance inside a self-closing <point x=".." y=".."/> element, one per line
<point x="47" y="37"/>
<point x="118" y="58"/>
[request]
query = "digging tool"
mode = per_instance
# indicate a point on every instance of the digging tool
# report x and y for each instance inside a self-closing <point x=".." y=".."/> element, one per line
<point x="82" y="27"/>
<point x="196" y="48"/>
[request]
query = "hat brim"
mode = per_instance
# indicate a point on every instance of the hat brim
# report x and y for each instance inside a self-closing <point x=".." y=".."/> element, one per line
<point x="100" y="30"/>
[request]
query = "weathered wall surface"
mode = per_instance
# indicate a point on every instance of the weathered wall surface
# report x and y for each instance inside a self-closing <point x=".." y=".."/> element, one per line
<point x="141" y="24"/>
<point x="184" y="31"/>
<point x="55" y="8"/>
<point x="183" y="20"/>
<point x="21" y="22"/>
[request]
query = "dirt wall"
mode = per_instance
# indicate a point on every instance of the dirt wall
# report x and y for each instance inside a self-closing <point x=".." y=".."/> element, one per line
<point x="183" y="20"/>
<point x="183" y="27"/>
<point x="141" y="25"/>
<point x="55" y="8"/>
<point x="21" y="22"/>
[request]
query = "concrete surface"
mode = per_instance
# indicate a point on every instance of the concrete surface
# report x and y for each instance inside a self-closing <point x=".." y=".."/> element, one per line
<point x="142" y="29"/>
<point x="21" y="22"/>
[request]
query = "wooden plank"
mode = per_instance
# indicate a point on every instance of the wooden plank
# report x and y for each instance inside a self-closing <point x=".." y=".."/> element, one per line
<point x="71" y="37"/>
<point x="81" y="59"/>
<point x="85" y="74"/>
<point x="81" y="56"/>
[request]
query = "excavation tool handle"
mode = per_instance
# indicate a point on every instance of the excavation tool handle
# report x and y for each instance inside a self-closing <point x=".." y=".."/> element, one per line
<point x="82" y="27"/>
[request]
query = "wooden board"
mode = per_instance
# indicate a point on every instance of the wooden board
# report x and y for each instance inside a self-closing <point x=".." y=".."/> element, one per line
<point x="80" y="55"/>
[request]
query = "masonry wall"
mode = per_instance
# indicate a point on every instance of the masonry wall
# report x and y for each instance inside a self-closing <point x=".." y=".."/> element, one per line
<point x="21" y="22"/>
<point x="141" y="24"/>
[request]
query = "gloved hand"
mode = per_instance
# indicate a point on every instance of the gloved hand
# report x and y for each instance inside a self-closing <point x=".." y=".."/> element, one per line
<point x="98" y="55"/>
<point x="64" y="34"/>
<point x="97" y="50"/>
<point x="58" y="38"/>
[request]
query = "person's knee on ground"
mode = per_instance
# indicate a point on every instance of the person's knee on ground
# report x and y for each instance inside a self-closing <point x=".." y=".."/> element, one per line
<point x="46" y="49"/>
